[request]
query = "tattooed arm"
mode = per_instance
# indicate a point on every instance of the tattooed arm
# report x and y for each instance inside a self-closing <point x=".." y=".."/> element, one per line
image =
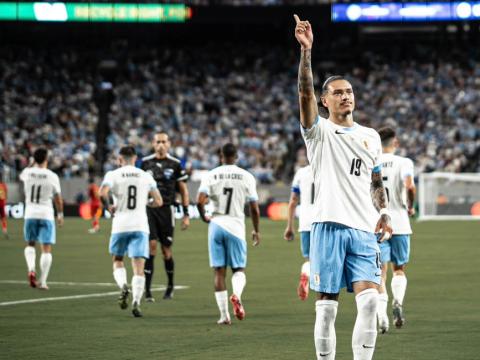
<point x="379" y="199"/>
<point x="306" y="92"/>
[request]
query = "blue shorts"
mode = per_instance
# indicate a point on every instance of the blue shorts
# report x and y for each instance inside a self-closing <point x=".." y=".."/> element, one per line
<point x="225" y="249"/>
<point x="340" y="256"/>
<point x="395" y="250"/>
<point x="133" y="242"/>
<point x="39" y="230"/>
<point x="305" y="243"/>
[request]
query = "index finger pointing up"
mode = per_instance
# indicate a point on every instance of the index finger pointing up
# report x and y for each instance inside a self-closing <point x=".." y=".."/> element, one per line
<point x="297" y="19"/>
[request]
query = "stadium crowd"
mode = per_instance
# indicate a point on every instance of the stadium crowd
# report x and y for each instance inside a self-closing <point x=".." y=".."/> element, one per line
<point x="206" y="97"/>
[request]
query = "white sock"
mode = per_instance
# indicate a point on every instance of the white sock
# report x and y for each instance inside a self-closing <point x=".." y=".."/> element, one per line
<point x="238" y="283"/>
<point x="120" y="276"/>
<point x="365" y="330"/>
<point x="45" y="263"/>
<point x="324" y="333"/>
<point x="382" y="305"/>
<point x="306" y="268"/>
<point x="222" y="302"/>
<point x="399" y="286"/>
<point x="138" y="284"/>
<point x="30" y="257"/>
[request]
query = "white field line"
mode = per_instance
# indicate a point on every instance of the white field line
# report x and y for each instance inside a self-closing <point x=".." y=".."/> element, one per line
<point x="73" y="297"/>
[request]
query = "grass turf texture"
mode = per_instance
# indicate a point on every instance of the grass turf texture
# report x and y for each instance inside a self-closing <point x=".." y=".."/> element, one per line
<point x="441" y="305"/>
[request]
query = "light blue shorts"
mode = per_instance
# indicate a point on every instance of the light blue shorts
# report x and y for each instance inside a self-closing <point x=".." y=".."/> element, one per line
<point x="225" y="249"/>
<point x="305" y="243"/>
<point x="133" y="242"/>
<point x="340" y="256"/>
<point x="395" y="250"/>
<point x="39" y="230"/>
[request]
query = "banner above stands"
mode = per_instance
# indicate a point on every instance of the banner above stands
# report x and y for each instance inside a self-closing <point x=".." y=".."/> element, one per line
<point x="93" y="12"/>
<point x="406" y="12"/>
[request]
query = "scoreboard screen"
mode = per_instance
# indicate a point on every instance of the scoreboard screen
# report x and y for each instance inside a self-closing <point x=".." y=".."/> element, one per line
<point x="411" y="11"/>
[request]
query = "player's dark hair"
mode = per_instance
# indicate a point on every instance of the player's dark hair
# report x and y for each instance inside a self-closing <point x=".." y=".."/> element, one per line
<point x="128" y="151"/>
<point x="40" y="155"/>
<point x="330" y="80"/>
<point x="229" y="150"/>
<point x="323" y="109"/>
<point x="387" y="134"/>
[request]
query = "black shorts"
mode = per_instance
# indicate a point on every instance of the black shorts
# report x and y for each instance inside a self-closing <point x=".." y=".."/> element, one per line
<point x="161" y="222"/>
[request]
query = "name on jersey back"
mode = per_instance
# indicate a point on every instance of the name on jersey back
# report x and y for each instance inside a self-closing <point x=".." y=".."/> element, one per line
<point x="228" y="176"/>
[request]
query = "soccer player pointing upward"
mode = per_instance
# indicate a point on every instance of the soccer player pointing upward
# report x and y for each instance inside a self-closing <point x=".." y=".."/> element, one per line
<point x="350" y="206"/>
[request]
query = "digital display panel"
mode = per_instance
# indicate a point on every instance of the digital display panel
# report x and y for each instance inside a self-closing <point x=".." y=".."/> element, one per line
<point x="397" y="11"/>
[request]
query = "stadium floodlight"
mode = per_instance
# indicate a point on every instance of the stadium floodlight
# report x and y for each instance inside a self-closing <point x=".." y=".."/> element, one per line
<point x="449" y="196"/>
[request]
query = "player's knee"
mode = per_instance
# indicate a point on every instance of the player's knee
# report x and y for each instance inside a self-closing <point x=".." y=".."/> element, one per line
<point x="234" y="270"/>
<point x="367" y="301"/>
<point x="327" y="296"/>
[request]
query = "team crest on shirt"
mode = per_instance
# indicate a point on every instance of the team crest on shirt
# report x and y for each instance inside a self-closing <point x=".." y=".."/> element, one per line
<point x="168" y="173"/>
<point x="365" y="143"/>
<point x="316" y="279"/>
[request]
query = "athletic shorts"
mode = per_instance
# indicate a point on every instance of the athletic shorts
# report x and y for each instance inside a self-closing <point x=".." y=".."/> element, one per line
<point x="225" y="249"/>
<point x="161" y="222"/>
<point x="39" y="230"/>
<point x="395" y="250"/>
<point x="305" y="243"/>
<point x="340" y="256"/>
<point x="133" y="243"/>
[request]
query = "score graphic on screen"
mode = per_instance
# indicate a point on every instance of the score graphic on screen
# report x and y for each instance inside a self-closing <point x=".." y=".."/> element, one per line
<point x="94" y="12"/>
<point x="398" y="11"/>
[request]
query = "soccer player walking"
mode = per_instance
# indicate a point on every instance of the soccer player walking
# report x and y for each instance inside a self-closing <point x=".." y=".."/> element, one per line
<point x="94" y="196"/>
<point x="350" y="206"/>
<point x="130" y="188"/>
<point x="41" y="185"/>
<point x="399" y="183"/>
<point x="229" y="188"/>
<point x="303" y="189"/>
<point x="170" y="178"/>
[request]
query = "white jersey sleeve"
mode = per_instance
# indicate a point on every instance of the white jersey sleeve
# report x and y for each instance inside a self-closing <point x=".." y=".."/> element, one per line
<point x="40" y="186"/>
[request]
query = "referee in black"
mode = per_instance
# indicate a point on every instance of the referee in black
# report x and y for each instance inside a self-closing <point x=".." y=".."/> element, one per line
<point x="171" y="178"/>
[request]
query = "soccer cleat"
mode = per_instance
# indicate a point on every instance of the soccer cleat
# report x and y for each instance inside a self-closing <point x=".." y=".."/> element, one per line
<point x="383" y="324"/>
<point x="136" y="310"/>
<point x="238" y="309"/>
<point x="168" y="293"/>
<point x="43" y="287"/>
<point x="32" y="279"/>
<point x="149" y="297"/>
<point x="93" y="231"/>
<point x="123" y="298"/>
<point x="398" y="318"/>
<point x="302" y="289"/>
<point x="224" y="321"/>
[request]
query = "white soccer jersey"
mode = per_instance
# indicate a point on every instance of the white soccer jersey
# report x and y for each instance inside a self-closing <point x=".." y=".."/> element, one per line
<point x="40" y="186"/>
<point x="229" y="188"/>
<point x="394" y="171"/>
<point x="304" y="186"/>
<point x="130" y="187"/>
<point x="342" y="161"/>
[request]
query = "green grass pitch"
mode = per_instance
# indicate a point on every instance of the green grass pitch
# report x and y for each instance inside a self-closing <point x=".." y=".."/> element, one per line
<point x="441" y="306"/>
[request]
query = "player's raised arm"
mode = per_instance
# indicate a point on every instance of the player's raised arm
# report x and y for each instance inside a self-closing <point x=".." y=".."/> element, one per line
<point x="379" y="199"/>
<point x="306" y="92"/>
